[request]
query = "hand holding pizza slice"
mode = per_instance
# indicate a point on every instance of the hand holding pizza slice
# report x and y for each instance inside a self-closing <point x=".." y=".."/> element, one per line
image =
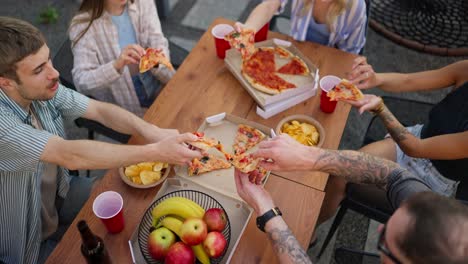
<point x="242" y="41"/>
<point x="205" y="143"/>
<point x="345" y="90"/>
<point x="152" y="58"/>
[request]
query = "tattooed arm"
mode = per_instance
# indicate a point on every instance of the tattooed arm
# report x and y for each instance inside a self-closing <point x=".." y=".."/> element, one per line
<point x="443" y="147"/>
<point x="285" y="244"/>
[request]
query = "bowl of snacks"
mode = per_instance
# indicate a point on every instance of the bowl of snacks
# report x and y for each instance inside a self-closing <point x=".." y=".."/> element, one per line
<point x="145" y="174"/>
<point x="304" y="129"/>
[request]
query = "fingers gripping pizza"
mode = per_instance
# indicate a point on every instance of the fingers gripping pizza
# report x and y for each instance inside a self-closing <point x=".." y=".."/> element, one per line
<point x="152" y="58"/>
<point x="345" y="90"/>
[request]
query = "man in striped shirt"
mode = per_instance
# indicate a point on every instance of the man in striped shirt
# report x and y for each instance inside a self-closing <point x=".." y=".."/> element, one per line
<point x="36" y="192"/>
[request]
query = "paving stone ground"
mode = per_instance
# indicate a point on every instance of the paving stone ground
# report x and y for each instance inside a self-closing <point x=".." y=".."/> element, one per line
<point x="188" y="20"/>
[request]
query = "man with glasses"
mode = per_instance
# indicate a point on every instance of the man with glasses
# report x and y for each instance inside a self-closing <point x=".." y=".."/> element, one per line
<point x="425" y="228"/>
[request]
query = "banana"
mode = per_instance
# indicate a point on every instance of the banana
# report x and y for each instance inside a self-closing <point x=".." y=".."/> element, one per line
<point x="172" y="224"/>
<point x="179" y="207"/>
<point x="191" y="203"/>
<point x="201" y="254"/>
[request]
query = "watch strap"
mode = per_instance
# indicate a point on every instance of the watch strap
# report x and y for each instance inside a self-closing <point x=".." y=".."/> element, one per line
<point x="263" y="219"/>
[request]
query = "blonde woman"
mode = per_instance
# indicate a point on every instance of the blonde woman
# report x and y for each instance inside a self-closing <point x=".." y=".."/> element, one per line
<point x="108" y="38"/>
<point x="336" y="23"/>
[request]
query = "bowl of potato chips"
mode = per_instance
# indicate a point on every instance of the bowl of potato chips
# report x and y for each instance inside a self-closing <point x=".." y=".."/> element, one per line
<point x="145" y="174"/>
<point x="304" y="129"/>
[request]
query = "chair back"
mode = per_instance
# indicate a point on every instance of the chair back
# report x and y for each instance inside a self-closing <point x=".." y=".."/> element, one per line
<point x="63" y="63"/>
<point x="353" y="256"/>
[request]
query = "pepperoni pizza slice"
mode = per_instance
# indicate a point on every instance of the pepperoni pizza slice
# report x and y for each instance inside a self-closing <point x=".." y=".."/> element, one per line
<point x="295" y="66"/>
<point x="243" y="41"/>
<point x="345" y="90"/>
<point x="152" y="58"/>
<point x="207" y="163"/>
<point x="246" y="138"/>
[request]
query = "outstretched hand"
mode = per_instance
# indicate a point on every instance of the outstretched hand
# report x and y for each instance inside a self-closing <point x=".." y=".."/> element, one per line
<point x="174" y="150"/>
<point x="254" y="195"/>
<point x="362" y="74"/>
<point x="283" y="153"/>
<point x="368" y="103"/>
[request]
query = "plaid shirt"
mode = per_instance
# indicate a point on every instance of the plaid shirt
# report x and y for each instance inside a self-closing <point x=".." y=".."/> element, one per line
<point x="94" y="54"/>
<point x="348" y="32"/>
<point x="21" y="169"/>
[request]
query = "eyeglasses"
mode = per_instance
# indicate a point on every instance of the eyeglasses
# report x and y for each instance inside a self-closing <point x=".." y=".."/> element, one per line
<point x="381" y="247"/>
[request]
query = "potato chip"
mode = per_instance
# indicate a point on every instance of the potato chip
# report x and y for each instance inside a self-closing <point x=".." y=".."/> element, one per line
<point x="148" y="177"/>
<point x="158" y="166"/>
<point x="136" y="180"/>
<point x="132" y="171"/>
<point x="146" y="166"/>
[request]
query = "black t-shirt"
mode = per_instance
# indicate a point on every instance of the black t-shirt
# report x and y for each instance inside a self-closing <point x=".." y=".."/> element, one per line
<point x="448" y="117"/>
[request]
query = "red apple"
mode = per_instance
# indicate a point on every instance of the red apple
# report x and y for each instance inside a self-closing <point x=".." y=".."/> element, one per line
<point x="215" y="219"/>
<point x="180" y="253"/>
<point x="159" y="242"/>
<point x="193" y="231"/>
<point x="214" y="244"/>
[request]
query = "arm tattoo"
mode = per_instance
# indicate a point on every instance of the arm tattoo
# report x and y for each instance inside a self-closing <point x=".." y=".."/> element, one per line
<point x="357" y="167"/>
<point x="396" y="130"/>
<point x="284" y="242"/>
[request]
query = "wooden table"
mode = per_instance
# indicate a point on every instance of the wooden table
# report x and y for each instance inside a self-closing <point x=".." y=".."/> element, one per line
<point x="203" y="86"/>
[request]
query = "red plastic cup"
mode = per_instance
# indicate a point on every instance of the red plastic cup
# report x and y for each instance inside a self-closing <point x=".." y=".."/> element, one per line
<point x="262" y="34"/>
<point x="326" y="84"/>
<point x="108" y="207"/>
<point x="218" y="32"/>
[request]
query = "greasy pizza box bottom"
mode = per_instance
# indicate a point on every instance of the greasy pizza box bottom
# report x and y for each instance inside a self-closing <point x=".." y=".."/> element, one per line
<point x="237" y="210"/>
<point x="233" y="61"/>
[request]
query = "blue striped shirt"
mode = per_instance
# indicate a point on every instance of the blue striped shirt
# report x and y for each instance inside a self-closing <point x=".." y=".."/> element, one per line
<point x="21" y="146"/>
<point x="347" y="32"/>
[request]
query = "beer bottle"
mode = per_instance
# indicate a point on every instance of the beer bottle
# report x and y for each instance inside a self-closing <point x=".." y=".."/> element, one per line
<point x="92" y="247"/>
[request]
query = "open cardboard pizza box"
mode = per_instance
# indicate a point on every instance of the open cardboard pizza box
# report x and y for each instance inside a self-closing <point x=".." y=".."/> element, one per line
<point x="219" y="184"/>
<point x="306" y="85"/>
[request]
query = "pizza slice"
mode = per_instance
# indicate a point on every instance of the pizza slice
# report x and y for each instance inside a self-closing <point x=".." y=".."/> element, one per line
<point x="245" y="162"/>
<point x="152" y="58"/>
<point x="246" y="138"/>
<point x="283" y="53"/>
<point x="207" y="163"/>
<point x="205" y="143"/>
<point x="242" y="41"/>
<point x="296" y="67"/>
<point x="345" y="90"/>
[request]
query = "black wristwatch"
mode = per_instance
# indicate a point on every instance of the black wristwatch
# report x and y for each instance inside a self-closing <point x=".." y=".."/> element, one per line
<point x="263" y="219"/>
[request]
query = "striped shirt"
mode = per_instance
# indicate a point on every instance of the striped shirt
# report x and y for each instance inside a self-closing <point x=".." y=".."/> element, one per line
<point x="21" y="170"/>
<point x="94" y="55"/>
<point x="348" y="32"/>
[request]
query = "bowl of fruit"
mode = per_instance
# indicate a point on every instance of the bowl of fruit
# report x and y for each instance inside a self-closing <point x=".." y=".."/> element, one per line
<point x="304" y="129"/>
<point x="183" y="227"/>
<point x="145" y="174"/>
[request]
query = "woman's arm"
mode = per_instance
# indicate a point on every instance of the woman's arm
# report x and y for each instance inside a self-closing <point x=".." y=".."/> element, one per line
<point x="443" y="147"/>
<point x="364" y="77"/>
<point x="262" y="14"/>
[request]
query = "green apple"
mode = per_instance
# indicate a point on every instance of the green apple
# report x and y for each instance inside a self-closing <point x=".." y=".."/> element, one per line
<point x="159" y="242"/>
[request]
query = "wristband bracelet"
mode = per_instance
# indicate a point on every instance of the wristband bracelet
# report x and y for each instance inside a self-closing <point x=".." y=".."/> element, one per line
<point x="262" y="220"/>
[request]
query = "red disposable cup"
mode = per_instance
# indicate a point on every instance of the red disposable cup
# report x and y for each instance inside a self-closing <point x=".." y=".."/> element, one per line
<point x="262" y="34"/>
<point x="108" y="207"/>
<point x="326" y="84"/>
<point x="218" y="32"/>
<point x="326" y="105"/>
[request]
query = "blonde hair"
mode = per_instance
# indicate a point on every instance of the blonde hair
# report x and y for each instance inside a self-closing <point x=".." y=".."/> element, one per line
<point x="336" y="8"/>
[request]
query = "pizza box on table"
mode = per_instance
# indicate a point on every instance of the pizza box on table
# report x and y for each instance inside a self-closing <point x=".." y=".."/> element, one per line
<point x="269" y="104"/>
<point x="219" y="184"/>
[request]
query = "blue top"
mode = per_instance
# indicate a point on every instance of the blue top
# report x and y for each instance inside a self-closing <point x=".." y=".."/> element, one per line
<point x="317" y="32"/>
<point x="21" y="169"/>
<point x="125" y="30"/>
<point x="146" y="86"/>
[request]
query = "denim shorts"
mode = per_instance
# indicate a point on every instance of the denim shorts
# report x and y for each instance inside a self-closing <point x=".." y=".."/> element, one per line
<point x="423" y="169"/>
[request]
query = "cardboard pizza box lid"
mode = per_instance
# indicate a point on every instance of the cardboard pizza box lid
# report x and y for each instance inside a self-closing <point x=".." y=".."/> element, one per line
<point x="233" y="62"/>
<point x="224" y="128"/>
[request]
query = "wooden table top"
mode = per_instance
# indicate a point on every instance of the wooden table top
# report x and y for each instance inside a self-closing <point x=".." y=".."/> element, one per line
<point x="203" y="86"/>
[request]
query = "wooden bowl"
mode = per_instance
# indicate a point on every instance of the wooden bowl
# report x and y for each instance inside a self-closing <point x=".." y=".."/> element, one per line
<point x="303" y="119"/>
<point x="142" y="186"/>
